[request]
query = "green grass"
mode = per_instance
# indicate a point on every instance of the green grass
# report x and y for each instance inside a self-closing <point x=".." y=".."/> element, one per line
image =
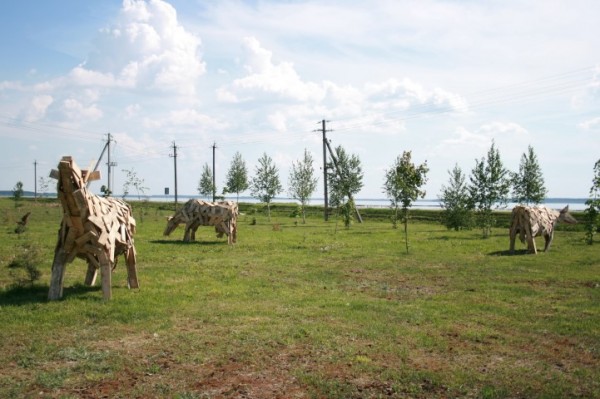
<point x="308" y="311"/>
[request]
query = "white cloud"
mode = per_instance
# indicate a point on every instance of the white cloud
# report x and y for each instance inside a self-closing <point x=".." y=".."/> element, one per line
<point x="503" y="130"/>
<point x="590" y="124"/>
<point x="76" y="111"/>
<point x="278" y="121"/>
<point x="463" y="136"/>
<point x="8" y="85"/>
<point x="509" y="135"/>
<point x="132" y="110"/>
<point x="266" y="76"/>
<point x="146" y="48"/>
<point x="39" y="105"/>
<point x="402" y="94"/>
<point x="186" y="118"/>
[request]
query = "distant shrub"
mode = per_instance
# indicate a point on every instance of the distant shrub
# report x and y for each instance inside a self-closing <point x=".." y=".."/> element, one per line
<point x="24" y="266"/>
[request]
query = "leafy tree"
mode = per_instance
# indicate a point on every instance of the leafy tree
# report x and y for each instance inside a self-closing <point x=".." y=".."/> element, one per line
<point x="18" y="193"/>
<point x="455" y="201"/>
<point x="105" y="191"/>
<point x="132" y="180"/>
<point x="44" y="183"/>
<point x="489" y="187"/>
<point x="205" y="186"/>
<point x="302" y="182"/>
<point x="402" y="186"/>
<point x="528" y="183"/>
<point x="592" y="212"/>
<point x="237" y="177"/>
<point x="265" y="185"/>
<point x="345" y="179"/>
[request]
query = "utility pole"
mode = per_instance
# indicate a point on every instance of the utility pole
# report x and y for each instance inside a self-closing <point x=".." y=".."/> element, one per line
<point x="35" y="180"/>
<point x="325" y="196"/>
<point x="174" y="156"/>
<point x="98" y="162"/>
<point x="109" y="164"/>
<point x="214" y="146"/>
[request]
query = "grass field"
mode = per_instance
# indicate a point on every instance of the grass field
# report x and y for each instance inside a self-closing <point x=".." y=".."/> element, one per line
<point x="304" y="311"/>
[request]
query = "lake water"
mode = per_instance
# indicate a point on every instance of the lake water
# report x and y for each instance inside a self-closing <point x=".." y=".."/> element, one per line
<point x="575" y="204"/>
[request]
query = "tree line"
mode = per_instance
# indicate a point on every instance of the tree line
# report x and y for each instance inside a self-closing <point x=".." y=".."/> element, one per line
<point x="465" y="202"/>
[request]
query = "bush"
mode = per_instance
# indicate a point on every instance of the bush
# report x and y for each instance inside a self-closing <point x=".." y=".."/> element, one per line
<point x="24" y="266"/>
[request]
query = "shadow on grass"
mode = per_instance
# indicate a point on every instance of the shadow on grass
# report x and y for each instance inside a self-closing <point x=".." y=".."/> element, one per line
<point x="508" y="253"/>
<point x="39" y="294"/>
<point x="18" y="296"/>
<point x="461" y="238"/>
<point x="180" y="242"/>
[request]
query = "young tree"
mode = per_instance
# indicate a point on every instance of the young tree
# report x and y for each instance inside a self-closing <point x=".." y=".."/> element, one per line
<point x="237" y="177"/>
<point x="302" y="182"/>
<point x="489" y="186"/>
<point x="105" y="191"/>
<point x="205" y="186"/>
<point x="132" y="180"/>
<point x="18" y="193"/>
<point x="592" y="212"/>
<point x="455" y="201"/>
<point x="402" y="186"/>
<point x="344" y="181"/>
<point x="44" y="183"/>
<point x="528" y="183"/>
<point x="265" y="185"/>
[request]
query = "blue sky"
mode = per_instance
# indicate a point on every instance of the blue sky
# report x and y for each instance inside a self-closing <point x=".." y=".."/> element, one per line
<point x="439" y="78"/>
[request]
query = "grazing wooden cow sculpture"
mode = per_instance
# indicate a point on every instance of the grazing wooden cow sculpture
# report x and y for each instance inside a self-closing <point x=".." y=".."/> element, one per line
<point x="195" y="213"/>
<point x="530" y="222"/>
<point x="93" y="228"/>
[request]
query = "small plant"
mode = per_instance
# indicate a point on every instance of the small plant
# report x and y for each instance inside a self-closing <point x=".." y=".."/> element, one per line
<point x="592" y="212"/>
<point x="106" y="192"/>
<point x="24" y="266"/>
<point x="18" y="193"/>
<point x="346" y="211"/>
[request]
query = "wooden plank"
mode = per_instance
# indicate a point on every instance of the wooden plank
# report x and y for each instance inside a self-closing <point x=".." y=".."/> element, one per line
<point x="92" y="249"/>
<point x="96" y="221"/>
<point x="95" y="175"/>
<point x="83" y="239"/>
<point x="76" y="172"/>
<point x="103" y="238"/>
<point x="77" y="224"/>
<point x="54" y="174"/>
<point x="81" y="202"/>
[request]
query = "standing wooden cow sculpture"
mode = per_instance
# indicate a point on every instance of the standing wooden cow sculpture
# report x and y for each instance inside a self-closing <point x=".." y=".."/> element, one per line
<point x="530" y="222"/>
<point x="195" y="213"/>
<point x="93" y="228"/>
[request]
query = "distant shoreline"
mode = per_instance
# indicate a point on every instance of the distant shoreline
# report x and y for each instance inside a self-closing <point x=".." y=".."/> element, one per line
<point x="575" y="204"/>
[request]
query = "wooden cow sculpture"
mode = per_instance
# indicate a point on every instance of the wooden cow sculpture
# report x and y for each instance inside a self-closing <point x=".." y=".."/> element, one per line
<point x="93" y="228"/>
<point x="195" y="213"/>
<point x="530" y="222"/>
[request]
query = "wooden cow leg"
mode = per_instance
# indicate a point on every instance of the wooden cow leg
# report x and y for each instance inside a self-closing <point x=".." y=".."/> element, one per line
<point x="58" y="274"/>
<point x="91" y="274"/>
<point x="513" y="236"/>
<point x="106" y="274"/>
<point x="530" y="241"/>
<point x="548" y="238"/>
<point x="130" y="259"/>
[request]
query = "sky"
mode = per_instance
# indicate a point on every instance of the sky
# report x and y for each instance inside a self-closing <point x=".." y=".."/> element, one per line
<point x="442" y="79"/>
